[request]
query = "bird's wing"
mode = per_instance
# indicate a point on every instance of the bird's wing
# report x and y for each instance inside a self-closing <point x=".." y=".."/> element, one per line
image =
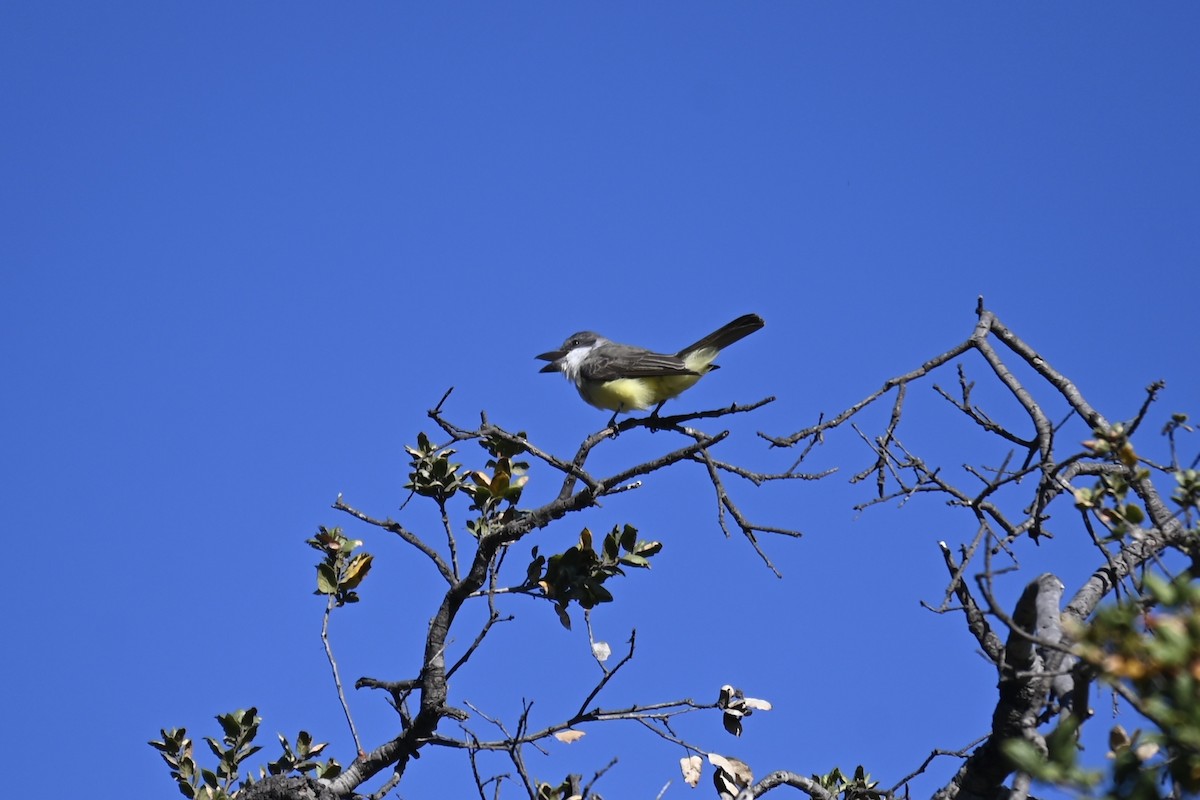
<point x="613" y="361"/>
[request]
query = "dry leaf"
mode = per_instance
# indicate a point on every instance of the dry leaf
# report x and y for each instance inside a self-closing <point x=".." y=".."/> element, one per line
<point x="735" y="770"/>
<point x="760" y="705"/>
<point x="601" y="651"/>
<point x="1118" y="739"/>
<point x="566" y="737"/>
<point x="691" y="767"/>
<point x="724" y="783"/>
<point x="1146" y="751"/>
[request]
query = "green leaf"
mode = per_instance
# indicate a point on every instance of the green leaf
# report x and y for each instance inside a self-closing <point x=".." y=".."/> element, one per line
<point x="628" y="537"/>
<point x="563" y="617"/>
<point x="611" y="547"/>
<point x="534" y="571"/>
<point x="229" y="723"/>
<point x="599" y="593"/>
<point x="326" y="580"/>
<point x="1160" y="590"/>
<point x="648" y="549"/>
<point x="1023" y="755"/>
<point x="1061" y="742"/>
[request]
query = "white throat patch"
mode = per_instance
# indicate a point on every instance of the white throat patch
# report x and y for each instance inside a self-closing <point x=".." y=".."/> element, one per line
<point x="573" y="361"/>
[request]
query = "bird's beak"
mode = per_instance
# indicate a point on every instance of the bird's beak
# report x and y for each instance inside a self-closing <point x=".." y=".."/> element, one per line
<point x="554" y="357"/>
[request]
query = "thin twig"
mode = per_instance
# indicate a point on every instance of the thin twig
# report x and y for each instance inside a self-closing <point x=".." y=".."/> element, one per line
<point x="337" y="679"/>
<point x="403" y="533"/>
<point x="608" y="675"/>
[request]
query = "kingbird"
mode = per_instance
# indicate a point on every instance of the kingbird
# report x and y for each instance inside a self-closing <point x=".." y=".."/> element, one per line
<point x="622" y="378"/>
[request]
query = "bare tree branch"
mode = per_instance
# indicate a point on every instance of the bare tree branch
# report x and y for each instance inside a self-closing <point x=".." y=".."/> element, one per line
<point x="782" y="778"/>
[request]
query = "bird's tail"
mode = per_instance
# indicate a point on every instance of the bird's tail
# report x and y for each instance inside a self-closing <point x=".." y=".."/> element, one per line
<point x="724" y="336"/>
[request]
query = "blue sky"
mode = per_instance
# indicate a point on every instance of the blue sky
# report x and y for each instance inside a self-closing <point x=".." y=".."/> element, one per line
<point x="247" y="246"/>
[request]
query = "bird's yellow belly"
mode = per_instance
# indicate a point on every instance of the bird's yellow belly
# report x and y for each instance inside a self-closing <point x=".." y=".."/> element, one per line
<point x="635" y="394"/>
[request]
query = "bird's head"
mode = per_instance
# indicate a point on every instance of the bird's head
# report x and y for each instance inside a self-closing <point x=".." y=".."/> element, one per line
<point x="566" y="359"/>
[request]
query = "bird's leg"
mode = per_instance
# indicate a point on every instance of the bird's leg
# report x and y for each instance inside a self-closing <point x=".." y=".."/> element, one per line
<point x="612" y="423"/>
<point x="654" y="415"/>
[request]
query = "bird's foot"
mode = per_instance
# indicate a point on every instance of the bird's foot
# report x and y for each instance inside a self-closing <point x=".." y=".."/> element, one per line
<point x="654" y="416"/>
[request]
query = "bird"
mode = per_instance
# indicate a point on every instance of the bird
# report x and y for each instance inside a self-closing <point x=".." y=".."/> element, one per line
<point x="622" y="378"/>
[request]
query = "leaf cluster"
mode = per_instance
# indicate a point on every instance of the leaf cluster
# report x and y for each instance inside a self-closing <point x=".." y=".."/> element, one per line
<point x="1109" y="498"/>
<point x="239" y="727"/>
<point x="341" y="570"/>
<point x="858" y="787"/>
<point x="1156" y="654"/>
<point x="578" y="574"/>
<point x="236" y="745"/>
<point x="432" y="473"/>
<point x="494" y="490"/>
<point x="301" y="758"/>
<point x="735" y="706"/>
<point x="1153" y="659"/>
<point x="1187" y="492"/>
<point x="502" y="483"/>
<point x="1060" y="762"/>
